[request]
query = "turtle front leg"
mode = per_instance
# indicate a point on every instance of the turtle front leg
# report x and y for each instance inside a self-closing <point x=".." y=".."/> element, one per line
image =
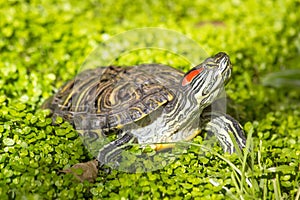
<point x="220" y="125"/>
<point x="112" y="150"/>
<point x="108" y="153"/>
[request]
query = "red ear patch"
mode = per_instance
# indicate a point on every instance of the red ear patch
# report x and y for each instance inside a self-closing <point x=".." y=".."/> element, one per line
<point x="190" y="76"/>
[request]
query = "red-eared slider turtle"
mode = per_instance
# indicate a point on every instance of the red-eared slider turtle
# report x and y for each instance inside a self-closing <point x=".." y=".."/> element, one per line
<point x="149" y="103"/>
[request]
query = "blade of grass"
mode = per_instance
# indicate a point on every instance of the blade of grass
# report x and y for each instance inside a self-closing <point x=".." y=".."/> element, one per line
<point x="259" y="155"/>
<point x="298" y="194"/>
<point x="235" y="182"/>
<point x="243" y="156"/>
<point x="265" y="188"/>
<point x="236" y="173"/>
<point x="228" y="192"/>
<point x="239" y="175"/>
<point x="277" y="187"/>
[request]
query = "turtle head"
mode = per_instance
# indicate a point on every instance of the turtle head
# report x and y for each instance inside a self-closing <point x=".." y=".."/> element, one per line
<point x="206" y="80"/>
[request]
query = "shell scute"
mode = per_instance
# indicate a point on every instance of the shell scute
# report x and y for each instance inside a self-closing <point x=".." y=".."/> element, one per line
<point x="111" y="97"/>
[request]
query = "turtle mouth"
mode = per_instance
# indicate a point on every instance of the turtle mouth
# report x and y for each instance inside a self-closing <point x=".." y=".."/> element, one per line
<point x="226" y="75"/>
<point x="225" y="69"/>
<point x="221" y="78"/>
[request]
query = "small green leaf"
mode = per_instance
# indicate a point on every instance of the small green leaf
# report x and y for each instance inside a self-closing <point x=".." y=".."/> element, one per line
<point x="33" y="119"/>
<point x="20" y="106"/>
<point x="1" y="129"/>
<point x="203" y="160"/>
<point x="2" y="98"/>
<point x="23" y="153"/>
<point x="72" y="134"/>
<point x="58" y="120"/>
<point x="8" y="142"/>
<point x="60" y="132"/>
<point x="7" y="31"/>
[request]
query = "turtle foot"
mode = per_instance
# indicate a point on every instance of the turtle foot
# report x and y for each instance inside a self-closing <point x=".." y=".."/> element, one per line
<point x="84" y="171"/>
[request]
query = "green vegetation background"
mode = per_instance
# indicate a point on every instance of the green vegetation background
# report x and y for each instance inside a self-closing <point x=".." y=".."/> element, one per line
<point x="43" y="44"/>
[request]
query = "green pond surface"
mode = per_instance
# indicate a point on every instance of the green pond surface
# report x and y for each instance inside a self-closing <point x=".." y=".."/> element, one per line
<point x="45" y="43"/>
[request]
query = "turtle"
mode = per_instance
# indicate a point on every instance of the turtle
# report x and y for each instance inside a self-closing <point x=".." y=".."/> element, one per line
<point x="146" y="104"/>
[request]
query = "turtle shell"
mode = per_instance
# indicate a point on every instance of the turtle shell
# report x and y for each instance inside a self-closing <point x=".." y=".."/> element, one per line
<point x="110" y="97"/>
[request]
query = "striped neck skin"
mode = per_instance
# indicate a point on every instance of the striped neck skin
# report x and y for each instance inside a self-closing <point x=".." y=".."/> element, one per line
<point x="200" y="87"/>
<point x="206" y="80"/>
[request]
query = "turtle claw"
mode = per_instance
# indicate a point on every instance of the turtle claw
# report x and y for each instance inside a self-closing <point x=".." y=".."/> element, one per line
<point x="87" y="171"/>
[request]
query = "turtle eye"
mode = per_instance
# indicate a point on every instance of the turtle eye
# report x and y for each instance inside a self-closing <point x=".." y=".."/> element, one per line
<point x="211" y="65"/>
